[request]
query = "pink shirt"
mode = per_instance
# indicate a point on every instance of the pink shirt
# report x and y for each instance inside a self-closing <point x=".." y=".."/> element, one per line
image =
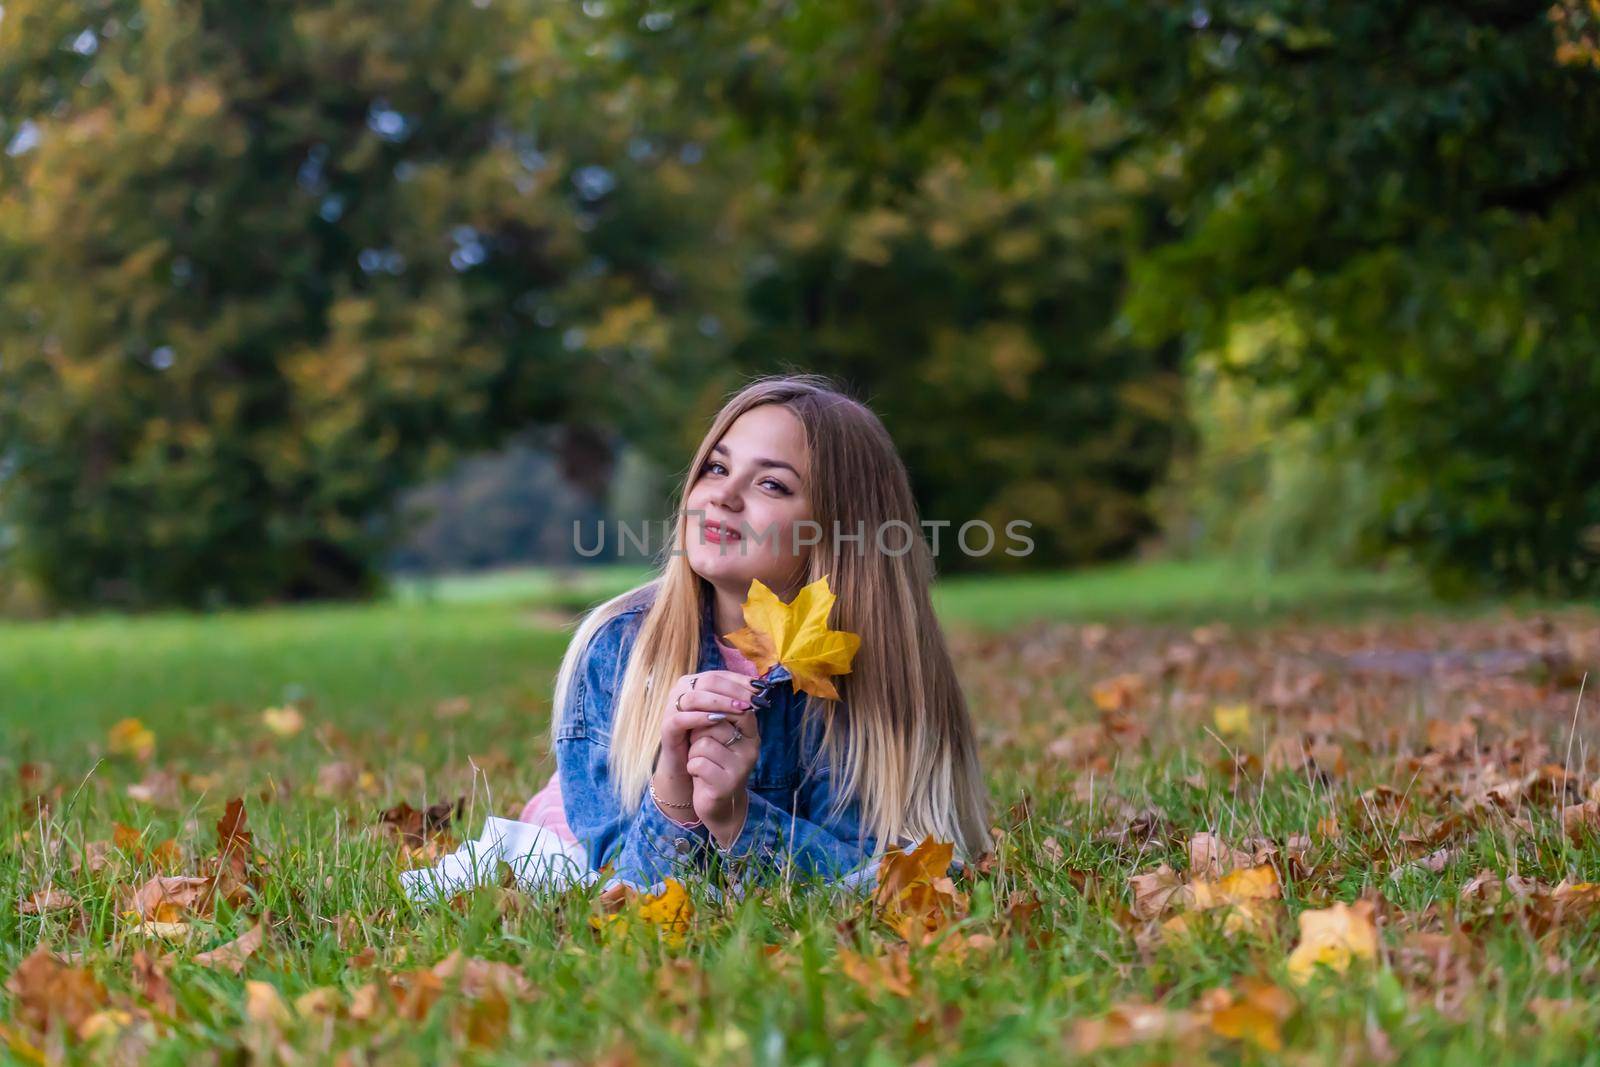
<point x="544" y="808"/>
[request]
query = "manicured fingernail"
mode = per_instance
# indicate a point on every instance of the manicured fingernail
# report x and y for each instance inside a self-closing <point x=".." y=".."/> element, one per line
<point x="716" y="716"/>
<point x="740" y="704"/>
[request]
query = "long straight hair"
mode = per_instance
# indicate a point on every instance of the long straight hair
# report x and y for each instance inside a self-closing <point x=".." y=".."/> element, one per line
<point x="908" y="751"/>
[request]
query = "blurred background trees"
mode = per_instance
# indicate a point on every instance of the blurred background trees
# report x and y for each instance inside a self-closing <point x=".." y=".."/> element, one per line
<point x="1284" y="280"/>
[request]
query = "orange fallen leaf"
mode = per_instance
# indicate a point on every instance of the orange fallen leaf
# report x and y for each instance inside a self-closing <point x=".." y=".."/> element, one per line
<point x="890" y="972"/>
<point x="1118" y="693"/>
<point x="915" y="894"/>
<point x="130" y="737"/>
<point x="169" y="898"/>
<point x="1255" y="1013"/>
<point x="48" y="993"/>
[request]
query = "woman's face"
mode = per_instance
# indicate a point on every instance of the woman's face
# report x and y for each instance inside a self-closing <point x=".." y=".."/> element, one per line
<point x="754" y="486"/>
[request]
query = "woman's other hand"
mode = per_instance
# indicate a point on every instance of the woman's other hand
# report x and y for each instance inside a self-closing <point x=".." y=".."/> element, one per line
<point x="697" y="702"/>
<point x="721" y="773"/>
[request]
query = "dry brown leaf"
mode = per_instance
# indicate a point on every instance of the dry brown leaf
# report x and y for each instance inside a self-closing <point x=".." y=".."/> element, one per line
<point x="47" y="900"/>
<point x="1134" y="1023"/>
<point x="170" y="898"/>
<point x="915" y="894"/>
<point x="1579" y="821"/>
<point x="1121" y="692"/>
<point x="889" y="973"/>
<point x="48" y="993"/>
<point x="414" y="827"/>
<point x="1153" y="891"/>
<point x="264" y="1005"/>
<point x="232" y="956"/>
<point x="1212" y="857"/>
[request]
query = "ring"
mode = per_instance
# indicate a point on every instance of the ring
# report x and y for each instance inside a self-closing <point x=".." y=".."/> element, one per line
<point x="677" y="705"/>
<point x="738" y="735"/>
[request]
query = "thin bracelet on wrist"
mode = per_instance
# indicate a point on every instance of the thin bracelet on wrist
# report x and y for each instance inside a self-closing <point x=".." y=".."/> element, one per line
<point x="657" y="797"/>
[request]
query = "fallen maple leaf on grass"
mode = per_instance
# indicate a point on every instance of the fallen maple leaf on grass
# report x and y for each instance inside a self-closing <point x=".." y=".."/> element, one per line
<point x="130" y="737"/>
<point x="1156" y="892"/>
<point x="915" y="894"/>
<point x="48" y="993"/>
<point x="283" y="722"/>
<point x="796" y="637"/>
<point x="1231" y="720"/>
<point x="667" y="912"/>
<point x="46" y="900"/>
<point x="232" y="956"/>
<point x="1254" y="1011"/>
<point x="1333" y="937"/>
<point x="169" y="898"/>
<point x="415" y="827"/>
<point x="889" y="973"/>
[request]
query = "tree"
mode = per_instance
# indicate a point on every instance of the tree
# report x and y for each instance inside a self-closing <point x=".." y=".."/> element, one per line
<point x="264" y="266"/>
<point x="944" y="222"/>
<point x="1408" y="195"/>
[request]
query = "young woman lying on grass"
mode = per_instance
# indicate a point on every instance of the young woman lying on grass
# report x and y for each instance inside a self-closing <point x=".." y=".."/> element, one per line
<point x="669" y="753"/>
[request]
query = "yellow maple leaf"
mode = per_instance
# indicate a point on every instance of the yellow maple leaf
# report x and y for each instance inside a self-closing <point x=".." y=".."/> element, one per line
<point x="1333" y="937"/>
<point x="796" y="636"/>
<point x="1232" y="720"/>
<point x="1241" y="886"/>
<point x="284" y="722"/>
<point x="1255" y="1013"/>
<point x="130" y="737"/>
<point x="668" y="912"/>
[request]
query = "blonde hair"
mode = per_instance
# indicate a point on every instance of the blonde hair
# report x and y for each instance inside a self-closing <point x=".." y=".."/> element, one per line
<point x="908" y="751"/>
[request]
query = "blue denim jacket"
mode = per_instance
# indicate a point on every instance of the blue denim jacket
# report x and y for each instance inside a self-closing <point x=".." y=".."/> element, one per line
<point x="787" y="828"/>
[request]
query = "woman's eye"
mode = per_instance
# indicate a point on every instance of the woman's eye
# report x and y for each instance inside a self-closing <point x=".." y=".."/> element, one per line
<point x="712" y="466"/>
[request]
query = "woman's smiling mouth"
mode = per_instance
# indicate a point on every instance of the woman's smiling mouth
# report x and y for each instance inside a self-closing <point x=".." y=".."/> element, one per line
<point x="715" y="533"/>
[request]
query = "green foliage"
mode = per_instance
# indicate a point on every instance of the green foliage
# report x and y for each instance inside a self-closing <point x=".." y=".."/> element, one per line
<point x="1261" y="486"/>
<point x="921" y="248"/>
<point x="1415" y="189"/>
<point x="263" y="268"/>
<point x="260" y="271"/>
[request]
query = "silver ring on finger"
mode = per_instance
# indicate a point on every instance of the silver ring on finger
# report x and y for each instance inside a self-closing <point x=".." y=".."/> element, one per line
<point x="678" y="704"/>
<point x="738" y="735"/>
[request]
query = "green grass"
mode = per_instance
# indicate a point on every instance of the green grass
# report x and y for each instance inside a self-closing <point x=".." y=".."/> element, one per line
<point x="768" y="981"/>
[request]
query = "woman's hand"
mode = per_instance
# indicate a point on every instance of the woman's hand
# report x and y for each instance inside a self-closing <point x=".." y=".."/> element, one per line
<point x="697" y="702"/>
<point x="721" y="772"/>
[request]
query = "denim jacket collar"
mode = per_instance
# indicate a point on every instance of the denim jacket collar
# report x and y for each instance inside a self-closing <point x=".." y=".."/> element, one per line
<point x="710" y="652"/>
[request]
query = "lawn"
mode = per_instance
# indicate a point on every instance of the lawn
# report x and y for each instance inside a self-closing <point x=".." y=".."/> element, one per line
<point x="1194" y="772"/>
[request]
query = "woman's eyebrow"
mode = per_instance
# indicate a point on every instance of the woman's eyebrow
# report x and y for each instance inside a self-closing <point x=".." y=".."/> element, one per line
<point x="759" y="462"/>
